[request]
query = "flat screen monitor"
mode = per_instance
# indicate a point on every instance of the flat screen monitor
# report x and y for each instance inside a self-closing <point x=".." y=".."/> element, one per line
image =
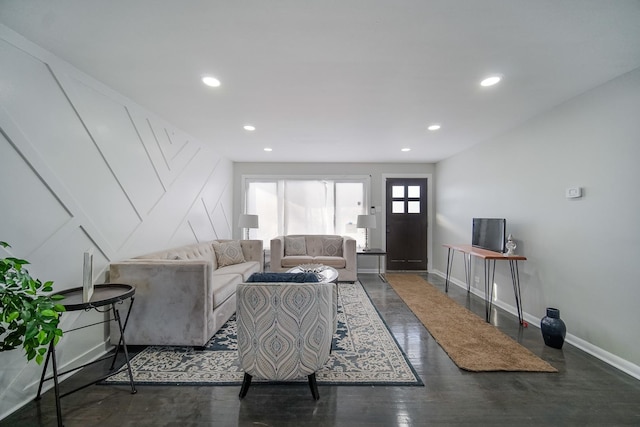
<point x="489" y="233"/>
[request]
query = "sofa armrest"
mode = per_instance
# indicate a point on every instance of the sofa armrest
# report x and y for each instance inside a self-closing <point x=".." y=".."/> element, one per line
<point x="349" y="253"/>
<point x="180" y="289"/>
<point x="277" y="253"/>
<point x="252" y="251"/>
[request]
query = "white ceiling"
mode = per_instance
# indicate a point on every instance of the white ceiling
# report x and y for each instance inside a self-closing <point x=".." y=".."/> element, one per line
<point x="340" y="80"/>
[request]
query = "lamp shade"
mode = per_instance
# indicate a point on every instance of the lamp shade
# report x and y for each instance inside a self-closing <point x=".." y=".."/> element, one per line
<point x="366" y="221"/>
<point x="248" y="221"/>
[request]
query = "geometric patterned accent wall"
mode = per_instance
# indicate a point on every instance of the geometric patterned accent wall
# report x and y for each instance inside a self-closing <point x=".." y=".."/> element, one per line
<point x="83" y="167"/>
<point x="93" y="170"/>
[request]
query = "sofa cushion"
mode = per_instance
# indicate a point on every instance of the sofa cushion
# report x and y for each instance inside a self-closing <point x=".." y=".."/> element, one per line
<point x="228" y="253"/>
<point x="294" y="261"/>
<point x="332" y="246"/>
<point x="245" y="269"/>
<point x="331" y="261"/>
<point x="223" y="287"/>
<point x="294" y="246"/>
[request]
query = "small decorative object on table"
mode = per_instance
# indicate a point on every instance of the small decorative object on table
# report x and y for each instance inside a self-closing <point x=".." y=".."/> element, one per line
<point x="324" y="273"/>
<point x="87" y="276"/>
<point x="511" y="246"/>
<point x="312" y="268"/>
<point x="553" y="328"/>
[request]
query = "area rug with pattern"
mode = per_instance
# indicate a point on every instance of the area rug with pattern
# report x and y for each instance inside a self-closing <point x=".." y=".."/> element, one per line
<point x="364" y="353"/>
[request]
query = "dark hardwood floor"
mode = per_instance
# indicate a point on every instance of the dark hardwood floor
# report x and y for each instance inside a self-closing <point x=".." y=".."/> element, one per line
<point x="586" y="391"/>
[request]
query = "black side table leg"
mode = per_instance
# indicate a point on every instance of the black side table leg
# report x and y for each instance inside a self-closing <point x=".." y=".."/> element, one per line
<point x="116" y="314"/>
<point x="467" y="270"/>
<point x="124" y="327"/>
<point x="51" y="355"/>
<point x="56" y="386"/>
<point x="489" y="279"/>
<point x="450" y="254"/>
<point x="380" y="275"/>
<point x="515" y="279"/>
<point x="44" y="372"/>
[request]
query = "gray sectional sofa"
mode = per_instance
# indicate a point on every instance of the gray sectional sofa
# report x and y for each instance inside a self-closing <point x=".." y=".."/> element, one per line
<point x="335" y="251"/>
<point x="185" y="294"/>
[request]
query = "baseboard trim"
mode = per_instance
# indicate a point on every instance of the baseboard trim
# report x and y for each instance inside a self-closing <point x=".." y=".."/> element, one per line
<point x="595" y="351"/>
<point x="369" y="271"/>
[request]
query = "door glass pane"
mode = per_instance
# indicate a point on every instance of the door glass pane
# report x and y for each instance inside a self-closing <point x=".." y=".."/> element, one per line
<point x="413" y="191"/>
<point x="414" y="207"/>
<point x="397" y="191"/>
<point x="397" y="207"/>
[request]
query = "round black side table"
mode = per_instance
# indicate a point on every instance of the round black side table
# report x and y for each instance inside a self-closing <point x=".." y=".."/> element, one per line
<point x="107" y="296"/>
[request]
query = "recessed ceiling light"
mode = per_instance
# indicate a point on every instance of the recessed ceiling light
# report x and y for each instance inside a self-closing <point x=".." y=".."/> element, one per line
<point x="434" y="126"/>
<point x="250" y="128"/>
<point x="211" y="81"/>
<point x="268" y="149"/>
<point x="491" y="80"/>
<point x="406" y="149"/>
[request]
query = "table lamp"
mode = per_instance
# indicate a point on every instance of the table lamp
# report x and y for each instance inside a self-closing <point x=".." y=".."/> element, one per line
<point x="247" y="221"/>
<point x="366" y="222"/>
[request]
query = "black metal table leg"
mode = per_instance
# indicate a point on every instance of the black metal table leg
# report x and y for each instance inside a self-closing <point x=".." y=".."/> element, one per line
<point x="380" y="275"/>
<point x="515" y="279"/>
<point x="450" y="254"/>
<point x="56" y="385"/>
<point x="489" y="278"/>
<point x="124" y="328"/>
<point x="116" y="314"/>
<point x="44" y="372"/>
<point x="467" y="270"/>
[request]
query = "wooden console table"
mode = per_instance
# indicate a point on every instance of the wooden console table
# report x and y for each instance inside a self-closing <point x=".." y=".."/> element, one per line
<point x="489" y="273"/>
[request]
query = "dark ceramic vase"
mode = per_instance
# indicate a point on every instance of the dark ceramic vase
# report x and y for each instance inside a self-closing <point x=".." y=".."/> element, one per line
<point x="553" y="328"/>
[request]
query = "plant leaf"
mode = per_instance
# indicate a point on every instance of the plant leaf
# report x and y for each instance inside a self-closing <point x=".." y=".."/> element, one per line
<point x="28" y="317"/>
<point x="48" y="313"/>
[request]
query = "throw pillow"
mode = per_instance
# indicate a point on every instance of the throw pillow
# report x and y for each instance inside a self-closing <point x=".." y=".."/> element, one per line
<point x="228" y="253"/>
<point x="332" y="246"/>
<point x="294" y="246"/>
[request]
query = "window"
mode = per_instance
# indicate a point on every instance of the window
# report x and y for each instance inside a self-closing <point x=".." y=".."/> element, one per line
<point x="306" y="206"/>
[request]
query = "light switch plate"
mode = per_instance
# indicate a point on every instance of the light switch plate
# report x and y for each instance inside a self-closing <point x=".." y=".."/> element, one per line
<point x="573" y="192"/>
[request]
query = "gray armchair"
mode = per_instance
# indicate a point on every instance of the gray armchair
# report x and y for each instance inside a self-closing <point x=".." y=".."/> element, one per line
<point x="284" y="330"/>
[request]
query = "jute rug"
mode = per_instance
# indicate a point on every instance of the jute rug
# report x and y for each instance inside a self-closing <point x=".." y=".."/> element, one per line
<point x="364" y="353"/>
<point x="472" y="343"/>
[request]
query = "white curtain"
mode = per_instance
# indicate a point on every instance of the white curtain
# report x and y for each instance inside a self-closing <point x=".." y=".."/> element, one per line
<point x="304" y="206"/>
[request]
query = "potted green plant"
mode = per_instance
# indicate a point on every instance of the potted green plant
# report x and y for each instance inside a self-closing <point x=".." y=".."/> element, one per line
<point x="28" y="316"/>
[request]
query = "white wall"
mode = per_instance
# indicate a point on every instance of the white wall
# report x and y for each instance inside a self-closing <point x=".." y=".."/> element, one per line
<point x="83" y="167"/>
<point x="378" y="172"/>
<point x="583" y="254"/>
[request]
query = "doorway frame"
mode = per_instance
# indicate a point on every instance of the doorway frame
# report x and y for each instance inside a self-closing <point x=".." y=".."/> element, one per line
<point x="429" y="178"/>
